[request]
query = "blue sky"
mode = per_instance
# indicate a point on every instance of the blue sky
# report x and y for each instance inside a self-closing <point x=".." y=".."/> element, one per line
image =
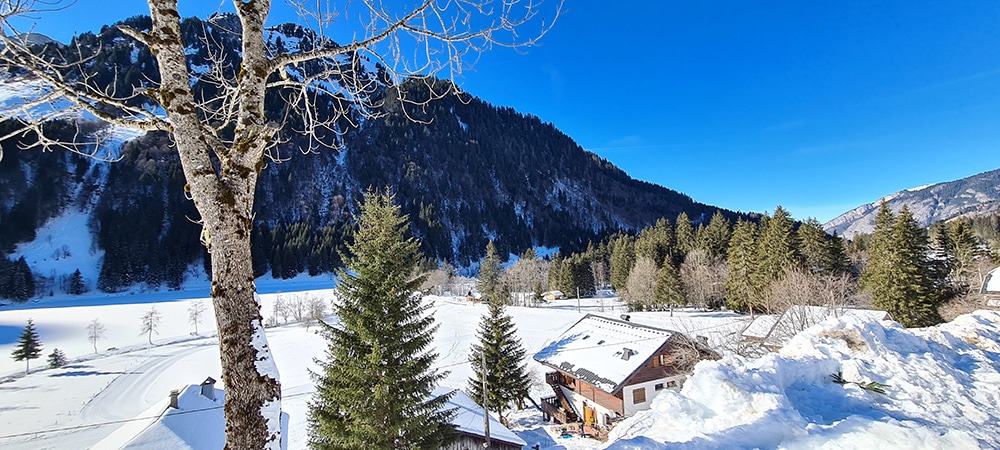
<point x="818" y="106"/>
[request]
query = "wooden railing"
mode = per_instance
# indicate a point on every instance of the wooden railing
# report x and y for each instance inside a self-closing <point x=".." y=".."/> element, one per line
<point x="555" y="379"/>
<point x="551" y="407"/>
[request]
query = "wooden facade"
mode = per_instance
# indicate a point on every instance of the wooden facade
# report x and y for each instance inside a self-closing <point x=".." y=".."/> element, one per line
<point x="467" y="441"/>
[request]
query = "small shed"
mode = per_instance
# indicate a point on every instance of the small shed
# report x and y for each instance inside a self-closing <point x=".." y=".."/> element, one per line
<point x="553" y="295"/>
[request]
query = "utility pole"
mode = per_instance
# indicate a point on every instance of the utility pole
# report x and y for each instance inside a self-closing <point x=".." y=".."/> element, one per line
<point x="486" y="399"/>
<point x="578" y="300"/>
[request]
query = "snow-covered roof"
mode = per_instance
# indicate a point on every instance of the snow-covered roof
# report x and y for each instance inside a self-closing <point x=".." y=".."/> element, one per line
<point x="197" y="423"/>
<point x="603" y="351"/>
<point x="468" y="418"/>
<point x="991" y="285"/>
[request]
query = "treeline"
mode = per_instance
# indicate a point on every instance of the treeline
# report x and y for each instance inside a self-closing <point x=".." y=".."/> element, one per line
<point x="770" y="265"/>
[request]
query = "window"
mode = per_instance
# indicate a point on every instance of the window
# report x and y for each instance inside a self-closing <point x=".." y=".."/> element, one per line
<point x="639" y="396"/>
<point x="662" y="359"/>
<point x="658" y="387"/>
<point x="671" y="384"/>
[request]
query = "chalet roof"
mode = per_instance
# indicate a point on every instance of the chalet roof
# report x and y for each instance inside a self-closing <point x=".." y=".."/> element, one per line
<point x="468" y="418"/>
<point x="991" y="285"/>
<point x="602" y="351"/>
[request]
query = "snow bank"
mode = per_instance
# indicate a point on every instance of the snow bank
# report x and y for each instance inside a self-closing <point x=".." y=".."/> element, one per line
<point x="943" y="386"/>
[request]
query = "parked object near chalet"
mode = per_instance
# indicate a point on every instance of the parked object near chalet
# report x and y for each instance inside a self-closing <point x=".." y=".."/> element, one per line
<point x="771" y="332"/>
<point x="607" y="369"/>
<point x="991" y="288"/>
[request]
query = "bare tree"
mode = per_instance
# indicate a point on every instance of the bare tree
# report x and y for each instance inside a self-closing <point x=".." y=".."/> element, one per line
<point x="641" y="285"/>
<point x="703" y="277"/>
<point x="195" y="312"/>
<point x="222" y="140"/>
<point x="315" y="310"/>
<point x="150" y="323"/>
<point x="437" y="280"/>
<point x="95" y="331"/>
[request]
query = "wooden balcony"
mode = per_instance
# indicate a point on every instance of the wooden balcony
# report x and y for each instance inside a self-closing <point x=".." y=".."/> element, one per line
<point x="552" y="410"/>
<point x="555" y="379"/>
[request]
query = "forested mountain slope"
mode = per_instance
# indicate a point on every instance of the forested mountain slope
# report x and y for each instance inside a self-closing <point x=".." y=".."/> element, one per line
<point x="464" y="170"/>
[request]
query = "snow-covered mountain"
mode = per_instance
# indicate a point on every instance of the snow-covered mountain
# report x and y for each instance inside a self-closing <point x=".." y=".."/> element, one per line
<point x="971" y="196"/>
<point x="465" y="171"/>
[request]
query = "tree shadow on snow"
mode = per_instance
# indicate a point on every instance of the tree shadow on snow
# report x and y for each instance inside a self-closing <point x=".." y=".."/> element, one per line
<point x="83" y="373"/>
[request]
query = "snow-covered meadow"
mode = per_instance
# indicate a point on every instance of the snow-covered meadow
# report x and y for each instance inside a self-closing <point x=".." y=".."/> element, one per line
<point x="943" y="382"/>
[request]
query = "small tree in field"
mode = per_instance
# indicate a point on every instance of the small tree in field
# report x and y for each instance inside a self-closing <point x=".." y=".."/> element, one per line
<point x="28" y="346"/>
<point x="150" y="323"/>
<point x="57" y="359"/>
<point x="195" y="312"/>
<point x="95" y="331"/>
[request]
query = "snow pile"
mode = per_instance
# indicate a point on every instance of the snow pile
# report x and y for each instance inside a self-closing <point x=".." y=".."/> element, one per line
<point x="942" y="388"/>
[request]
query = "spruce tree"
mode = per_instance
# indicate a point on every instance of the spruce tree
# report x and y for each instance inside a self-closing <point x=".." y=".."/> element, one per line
<point x="714" y="238"/>
<point x="684" y="236"/>
<point x="506" y="371"/>
<point x="669" y="292"/>
<point x="655" y="242"/>
<point x="76" y="283"/>
<point x="777" y="250"/>
<point x="897" y="275"/>
<point x="916" y="299"/>
<point x="489" y="275"/>
<point x="373" y="389"/>
<point x="29" y="346"/>
<point x="740" y="293"/>
<point x="57" y="359"/>
<point x="622" y="260"/>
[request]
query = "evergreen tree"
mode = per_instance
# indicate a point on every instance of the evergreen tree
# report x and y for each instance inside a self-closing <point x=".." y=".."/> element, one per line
<point x="373" y="390"/>
<point x="76" y="284"/>
<point x="714" y="238"/>
<point x="820" y="252"/>
<point x="963" y="252"/>
<point x="898" y="273"/>
<point x="777" y="250"/>
<point x="489" y="275"/>
<point x="655" y="242"/>
<point x="57" y="359"/>
<point x="505" y="369"/>
<point x="29" y="346"/>
<point x="740" y="292"/>
<point x="684" y="236"/>
<point x="669" y="291"/>
<point x="622" y="260"/>
<point x="877" y="278"/>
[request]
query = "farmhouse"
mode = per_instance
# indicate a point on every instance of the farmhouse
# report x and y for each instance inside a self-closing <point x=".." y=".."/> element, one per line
<point x="606" y="369"/>
<point x="991" y="288"/>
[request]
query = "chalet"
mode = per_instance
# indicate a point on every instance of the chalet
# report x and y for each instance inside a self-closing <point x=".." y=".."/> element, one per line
<point x="606" y="369"/>
<point x="991" y="288"/>
<point x="771" y="332"/>
<point x="553" y="295"/>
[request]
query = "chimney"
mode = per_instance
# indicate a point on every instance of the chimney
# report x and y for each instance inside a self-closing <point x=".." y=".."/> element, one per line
<point x="173" y="398"/>
<point x="208" y="388"/>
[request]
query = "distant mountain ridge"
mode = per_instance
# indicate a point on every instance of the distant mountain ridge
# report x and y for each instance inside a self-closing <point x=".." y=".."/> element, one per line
<point x="971" y="196"/>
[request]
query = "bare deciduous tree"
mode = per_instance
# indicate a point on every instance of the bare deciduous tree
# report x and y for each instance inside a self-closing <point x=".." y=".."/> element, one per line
<point x="222" y="141"/>
<point x="95" y="331"/>
<point x="149" y="323"/>
<point x="195" y="313"/>
<point x="641" y="285"/>
<point x="315" y="310"/>
<point x="703" y="277"/>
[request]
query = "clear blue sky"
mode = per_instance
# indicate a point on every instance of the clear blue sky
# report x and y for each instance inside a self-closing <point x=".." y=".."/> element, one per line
<point x="818" y="106"/>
